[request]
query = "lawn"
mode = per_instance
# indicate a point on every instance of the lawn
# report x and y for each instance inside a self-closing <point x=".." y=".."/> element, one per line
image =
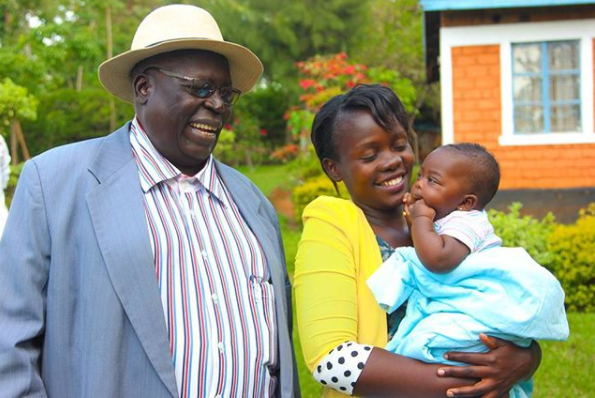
<point x="566" y="369"/>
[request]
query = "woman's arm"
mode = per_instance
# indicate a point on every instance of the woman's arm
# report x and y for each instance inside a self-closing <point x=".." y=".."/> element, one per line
<point x="498" y="369"/>
<point x="387" y="374"/>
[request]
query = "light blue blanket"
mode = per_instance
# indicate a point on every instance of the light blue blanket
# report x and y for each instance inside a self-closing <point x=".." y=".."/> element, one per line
<point x="500" y="291"/>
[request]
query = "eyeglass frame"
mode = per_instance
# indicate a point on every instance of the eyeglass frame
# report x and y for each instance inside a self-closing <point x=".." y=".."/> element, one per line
<point x="235" y="92"/>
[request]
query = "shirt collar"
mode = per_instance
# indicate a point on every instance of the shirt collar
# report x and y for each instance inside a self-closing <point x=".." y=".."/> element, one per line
<point x="154" y="168"/>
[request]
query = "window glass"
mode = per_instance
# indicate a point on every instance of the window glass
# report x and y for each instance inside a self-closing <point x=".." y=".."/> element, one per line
<point x="528" y="119"/>
<point x="546" y="87"/>
<point x="527" y="58"/>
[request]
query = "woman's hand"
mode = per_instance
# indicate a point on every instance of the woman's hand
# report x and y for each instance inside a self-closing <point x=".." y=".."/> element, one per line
<point x="498" y="369"/>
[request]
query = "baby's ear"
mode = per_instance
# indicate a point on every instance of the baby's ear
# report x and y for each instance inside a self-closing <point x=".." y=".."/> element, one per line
<point x="332" y="169"/>
<point x="468" y="203"/>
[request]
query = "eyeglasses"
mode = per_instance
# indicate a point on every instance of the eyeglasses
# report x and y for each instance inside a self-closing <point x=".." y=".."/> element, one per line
<point x="204" y="89"/>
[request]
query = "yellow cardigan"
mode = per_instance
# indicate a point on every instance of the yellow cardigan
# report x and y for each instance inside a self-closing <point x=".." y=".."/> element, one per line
<point x="338" y="251"/>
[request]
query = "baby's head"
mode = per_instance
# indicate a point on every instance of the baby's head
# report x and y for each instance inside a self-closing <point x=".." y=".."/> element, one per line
<point x="457" y="177"/>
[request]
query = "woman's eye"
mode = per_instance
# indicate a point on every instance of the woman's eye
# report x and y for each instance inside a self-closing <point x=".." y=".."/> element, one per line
<point x="368" y="158"/>
<point x="401" y="146"/>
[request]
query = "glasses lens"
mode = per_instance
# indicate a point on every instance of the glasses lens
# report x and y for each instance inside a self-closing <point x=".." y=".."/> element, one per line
<point x="229" y="95"/>
<point x="205" y="90"/>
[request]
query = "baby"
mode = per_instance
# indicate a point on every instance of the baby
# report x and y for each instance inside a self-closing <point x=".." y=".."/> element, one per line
<point x="458" y="281"/>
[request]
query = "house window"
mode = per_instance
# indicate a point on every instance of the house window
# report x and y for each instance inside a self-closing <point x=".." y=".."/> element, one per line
<point x="546" y="87"/>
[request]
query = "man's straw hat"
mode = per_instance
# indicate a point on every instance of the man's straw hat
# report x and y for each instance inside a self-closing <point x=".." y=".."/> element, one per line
<point x="178" y="27"/>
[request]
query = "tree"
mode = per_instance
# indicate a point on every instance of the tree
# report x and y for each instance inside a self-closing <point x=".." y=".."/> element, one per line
<point x="395" y="41"/>
<point x="16" y="104"/>
<point x="284" y="32"/>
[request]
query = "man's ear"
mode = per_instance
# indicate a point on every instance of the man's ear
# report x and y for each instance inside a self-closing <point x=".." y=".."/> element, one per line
<point x="332" y="169"/>
<point x="468" y="203"/>
<point x="142" y="87"/>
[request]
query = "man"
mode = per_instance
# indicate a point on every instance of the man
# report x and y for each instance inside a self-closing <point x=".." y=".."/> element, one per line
<point x="136" y="265"/>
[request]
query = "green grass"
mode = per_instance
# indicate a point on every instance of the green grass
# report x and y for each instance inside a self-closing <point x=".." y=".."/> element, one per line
<point x="566" y="369"/>
<point x="269" y="177"/>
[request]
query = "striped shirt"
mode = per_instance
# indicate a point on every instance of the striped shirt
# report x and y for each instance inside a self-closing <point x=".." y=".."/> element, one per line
<point x="213" y="278"/>
<point x="472" y="228"/>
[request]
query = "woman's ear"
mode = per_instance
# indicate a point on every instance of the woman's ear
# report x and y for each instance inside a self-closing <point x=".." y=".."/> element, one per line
<point x="332" y="169"/>
<point x="468" y="203"/>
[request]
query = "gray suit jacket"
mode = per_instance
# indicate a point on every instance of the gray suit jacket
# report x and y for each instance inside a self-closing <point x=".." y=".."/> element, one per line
<point x="80" y="311"/>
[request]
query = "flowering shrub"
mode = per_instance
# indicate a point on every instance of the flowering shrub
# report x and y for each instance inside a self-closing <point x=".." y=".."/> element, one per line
<point x="324" y="77"/>
<point x="285" y="153"/>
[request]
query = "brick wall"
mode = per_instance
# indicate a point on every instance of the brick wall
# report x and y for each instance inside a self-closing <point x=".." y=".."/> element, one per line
<point x="477" y="118"/>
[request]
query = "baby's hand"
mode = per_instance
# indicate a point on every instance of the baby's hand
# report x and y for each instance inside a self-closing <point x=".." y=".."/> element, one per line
<point x="407" y="199"/>
<point x="419" y="208"/>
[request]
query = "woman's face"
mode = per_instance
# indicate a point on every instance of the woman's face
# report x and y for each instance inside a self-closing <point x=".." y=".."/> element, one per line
<point x="375" y="165"/>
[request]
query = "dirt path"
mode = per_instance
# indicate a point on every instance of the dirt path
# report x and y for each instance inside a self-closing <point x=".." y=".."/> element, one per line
<point x="281" y="199"/>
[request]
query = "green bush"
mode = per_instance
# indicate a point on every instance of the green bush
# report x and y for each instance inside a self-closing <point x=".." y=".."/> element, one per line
<point x="310" y="190"/>
<point x="15" y="172"/>
<point x="524" y="231"/>
<point x="573" y="260"/>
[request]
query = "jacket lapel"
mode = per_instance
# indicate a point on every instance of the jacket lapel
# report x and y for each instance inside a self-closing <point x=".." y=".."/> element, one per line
<point x="118" y="214"/>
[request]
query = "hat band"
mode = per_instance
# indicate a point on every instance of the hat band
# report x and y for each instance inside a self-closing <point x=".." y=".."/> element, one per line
<point x="180" y="39"/>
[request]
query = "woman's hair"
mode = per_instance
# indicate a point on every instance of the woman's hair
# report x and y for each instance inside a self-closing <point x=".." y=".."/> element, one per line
<point x="382" y="103"/>
<point x="483" y="175"/>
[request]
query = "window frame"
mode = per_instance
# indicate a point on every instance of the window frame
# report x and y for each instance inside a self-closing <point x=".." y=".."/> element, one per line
<point x="545" y="74"/>
<point x="505" y="35"/>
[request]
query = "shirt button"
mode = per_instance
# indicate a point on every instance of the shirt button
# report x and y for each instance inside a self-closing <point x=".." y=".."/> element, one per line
<point x="204" y="254"/>
<point x="214" y="297"/>
<point x="220" y="346"/>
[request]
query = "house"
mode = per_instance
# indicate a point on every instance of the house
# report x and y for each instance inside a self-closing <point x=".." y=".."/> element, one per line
<point x="517" y="77"/>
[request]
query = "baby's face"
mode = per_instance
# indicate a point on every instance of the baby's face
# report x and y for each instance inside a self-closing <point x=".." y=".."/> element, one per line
<point x="441" y="181"/>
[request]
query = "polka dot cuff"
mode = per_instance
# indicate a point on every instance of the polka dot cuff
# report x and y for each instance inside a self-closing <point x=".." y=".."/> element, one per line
<point x="341" y="368"/>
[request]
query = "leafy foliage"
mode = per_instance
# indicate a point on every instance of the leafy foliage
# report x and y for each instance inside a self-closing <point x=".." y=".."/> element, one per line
<point x="281" y="32"/>
<point x="310" y="190"/>
<point x="15" y="172"/>
<point x="573" y="260"/>
<point x="323" y="77"/>
<point x="16" y="103"/>
<point x="526" y="231"/>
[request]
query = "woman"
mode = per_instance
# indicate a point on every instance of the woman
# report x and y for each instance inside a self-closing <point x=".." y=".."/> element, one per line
<point x="363" y="139"/>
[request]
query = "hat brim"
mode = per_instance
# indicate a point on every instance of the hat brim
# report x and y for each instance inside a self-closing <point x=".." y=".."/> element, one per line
<point x="245" y="67"/>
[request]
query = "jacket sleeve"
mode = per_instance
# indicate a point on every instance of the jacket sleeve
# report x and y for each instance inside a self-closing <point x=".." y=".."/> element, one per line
<point x="24" y="267"/>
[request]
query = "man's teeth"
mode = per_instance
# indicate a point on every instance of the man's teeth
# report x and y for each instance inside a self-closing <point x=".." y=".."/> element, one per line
<point x="391" y="183"/>
<point x="203" y="127"/>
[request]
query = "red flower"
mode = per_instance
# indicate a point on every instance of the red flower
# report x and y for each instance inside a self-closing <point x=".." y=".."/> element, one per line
<point x="350" y="69"/>
<point x="307" y="83"/>
<point x="263" y="132"/>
